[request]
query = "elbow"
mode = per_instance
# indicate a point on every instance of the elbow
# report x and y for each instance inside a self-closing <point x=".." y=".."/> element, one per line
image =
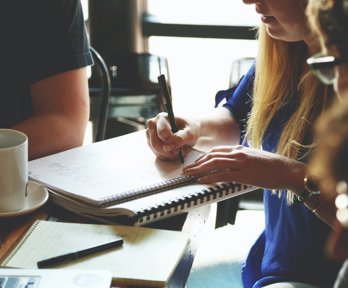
<point x="82" y="122"/>
<point x="75" y="129"/>
<point x="78" y="132"/>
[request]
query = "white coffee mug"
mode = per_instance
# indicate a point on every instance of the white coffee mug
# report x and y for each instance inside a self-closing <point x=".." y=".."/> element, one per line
<point x="13" y="170"/>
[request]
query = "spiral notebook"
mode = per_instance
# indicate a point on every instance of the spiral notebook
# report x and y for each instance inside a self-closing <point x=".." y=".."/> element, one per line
<point x="139" y="261"/>
<point x="121" y="178"/>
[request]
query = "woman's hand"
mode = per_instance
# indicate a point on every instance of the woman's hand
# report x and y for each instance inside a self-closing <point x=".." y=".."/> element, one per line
<point x="166" y="144"/>
<point x="248" y="166"/>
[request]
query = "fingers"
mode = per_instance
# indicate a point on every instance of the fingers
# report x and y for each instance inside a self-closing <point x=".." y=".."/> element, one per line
<point x="219" y="152"/>
<point x="159" y="128"/>
<point x="163" y="127"/>
<point x="211" y="163"/>
<point x="243" y="165"/>
<point x="161" y="139"/>
<point x="219" y="176"/>
<point x="224" y="163"/>
<point x="220" y="156"/>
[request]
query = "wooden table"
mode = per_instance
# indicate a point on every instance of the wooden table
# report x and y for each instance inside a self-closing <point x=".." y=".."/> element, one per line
<point x="194" y="222"/>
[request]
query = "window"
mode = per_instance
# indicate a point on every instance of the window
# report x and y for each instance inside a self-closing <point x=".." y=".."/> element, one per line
<point x="199" y="67"/>
<point x="220" y="12"/>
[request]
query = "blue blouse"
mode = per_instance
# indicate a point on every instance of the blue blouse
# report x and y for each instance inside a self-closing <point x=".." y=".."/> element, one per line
<point x="292" y="245"/>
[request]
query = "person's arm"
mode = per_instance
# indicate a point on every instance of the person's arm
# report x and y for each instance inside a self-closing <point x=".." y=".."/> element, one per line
<point x="61" y="112"/>
<point x="222" y="126"/>
<point x="217" y="128"/>
<point x="261" y="169"/>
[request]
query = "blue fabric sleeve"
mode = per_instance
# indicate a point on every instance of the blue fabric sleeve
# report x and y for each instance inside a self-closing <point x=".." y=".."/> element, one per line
<point x="239" y="99"/>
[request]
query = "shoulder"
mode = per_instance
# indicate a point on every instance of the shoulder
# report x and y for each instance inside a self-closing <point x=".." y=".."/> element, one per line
<point x="58" y="41"/>
<point x="246" y="83"/>
<point x="242" y="89"/>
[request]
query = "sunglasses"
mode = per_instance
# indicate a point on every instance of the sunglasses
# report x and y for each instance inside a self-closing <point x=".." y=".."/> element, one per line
<point x="342" y="203"/>
<point x="324" y="67"/>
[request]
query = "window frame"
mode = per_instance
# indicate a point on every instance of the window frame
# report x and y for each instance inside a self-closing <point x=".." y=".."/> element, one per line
<point x="152" y="27"/>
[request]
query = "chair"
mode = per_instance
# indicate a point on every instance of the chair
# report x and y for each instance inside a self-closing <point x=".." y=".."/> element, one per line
<point x="135" y="93"/>
<point x="238" y="68"/>
<point x="99" y="96"/>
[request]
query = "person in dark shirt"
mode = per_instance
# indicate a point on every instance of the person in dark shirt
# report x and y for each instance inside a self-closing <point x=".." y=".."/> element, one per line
<point x="44" y="53"/>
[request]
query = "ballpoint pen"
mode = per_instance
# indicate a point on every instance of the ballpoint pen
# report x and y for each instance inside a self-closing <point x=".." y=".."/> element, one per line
<point x="78" y="254"/>
<point x="167" y="101"/>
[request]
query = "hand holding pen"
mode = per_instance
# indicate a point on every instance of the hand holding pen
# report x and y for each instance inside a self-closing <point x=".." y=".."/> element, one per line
<point x="167" y="101"/>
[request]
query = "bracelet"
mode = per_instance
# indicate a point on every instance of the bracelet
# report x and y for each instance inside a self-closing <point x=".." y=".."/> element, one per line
<point x="310" y="188"/>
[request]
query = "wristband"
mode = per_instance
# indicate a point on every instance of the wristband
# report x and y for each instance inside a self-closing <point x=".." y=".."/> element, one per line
<point x="310" y="188"/>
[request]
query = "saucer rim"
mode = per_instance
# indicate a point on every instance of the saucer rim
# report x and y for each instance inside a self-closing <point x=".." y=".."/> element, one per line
<point x="29" y="206"/>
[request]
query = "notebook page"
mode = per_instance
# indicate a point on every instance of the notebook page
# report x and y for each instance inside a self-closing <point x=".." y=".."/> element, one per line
<point x="56" y="238"/>
<point x="147" y="255"/>
<point x="105" y="168"/>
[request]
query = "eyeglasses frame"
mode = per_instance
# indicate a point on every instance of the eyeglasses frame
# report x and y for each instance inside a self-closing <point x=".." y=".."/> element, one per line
<point x="320" y="61"/>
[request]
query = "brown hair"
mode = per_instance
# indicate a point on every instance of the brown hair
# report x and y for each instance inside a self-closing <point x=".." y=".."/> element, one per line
<point x="329" y="162"/>
<point x="329" y="20"/>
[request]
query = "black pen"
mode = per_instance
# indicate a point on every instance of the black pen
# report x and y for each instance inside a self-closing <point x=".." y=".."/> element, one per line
<point x="167" y="101"/>
<point x="78" y="254"/>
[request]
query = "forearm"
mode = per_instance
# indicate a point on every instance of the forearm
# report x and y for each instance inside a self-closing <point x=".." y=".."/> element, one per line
<point x="261" y="169"/>
<point x="52" y="133"/>
<point x="60" y="113"/>
<point x="217" y="128"/>
<point x="321" y="204"/>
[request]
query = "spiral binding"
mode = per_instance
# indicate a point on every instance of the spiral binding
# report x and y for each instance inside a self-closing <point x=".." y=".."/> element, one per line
<point x="147" y="190"/>
<point x="211" y="194"/>
<point x="18" y="244"/>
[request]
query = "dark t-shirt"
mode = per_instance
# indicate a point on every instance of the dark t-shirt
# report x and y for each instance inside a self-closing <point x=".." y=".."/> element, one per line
<point x="39" y="39"/>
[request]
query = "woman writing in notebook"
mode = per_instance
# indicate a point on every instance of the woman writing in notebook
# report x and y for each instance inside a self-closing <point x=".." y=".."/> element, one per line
<point x="271" y="112"/>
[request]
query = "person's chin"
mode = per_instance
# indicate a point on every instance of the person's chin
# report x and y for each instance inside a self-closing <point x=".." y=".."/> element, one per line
<point x="268" y="19"/>
<point x="278" y="33"/>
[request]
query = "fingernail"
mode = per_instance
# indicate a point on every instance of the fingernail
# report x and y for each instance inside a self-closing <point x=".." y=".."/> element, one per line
<point x="167" y="148"/>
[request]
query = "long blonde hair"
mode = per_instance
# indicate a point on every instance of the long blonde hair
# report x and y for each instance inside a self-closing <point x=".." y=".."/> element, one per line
<point x="280" y="71"/>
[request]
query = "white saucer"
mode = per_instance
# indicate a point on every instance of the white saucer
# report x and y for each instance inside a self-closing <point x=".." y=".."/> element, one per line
<point x="37" y="196"/>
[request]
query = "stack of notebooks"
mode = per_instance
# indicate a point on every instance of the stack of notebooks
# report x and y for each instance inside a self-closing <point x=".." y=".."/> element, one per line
<point x="120" y="180"/>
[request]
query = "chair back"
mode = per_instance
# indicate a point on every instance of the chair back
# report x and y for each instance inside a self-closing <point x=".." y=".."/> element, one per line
<point x="239" y="67"/>
<point x="101" y="88"/>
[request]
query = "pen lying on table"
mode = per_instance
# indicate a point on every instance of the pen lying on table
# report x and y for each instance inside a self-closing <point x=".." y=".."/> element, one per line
<point x="78" y="254"/>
